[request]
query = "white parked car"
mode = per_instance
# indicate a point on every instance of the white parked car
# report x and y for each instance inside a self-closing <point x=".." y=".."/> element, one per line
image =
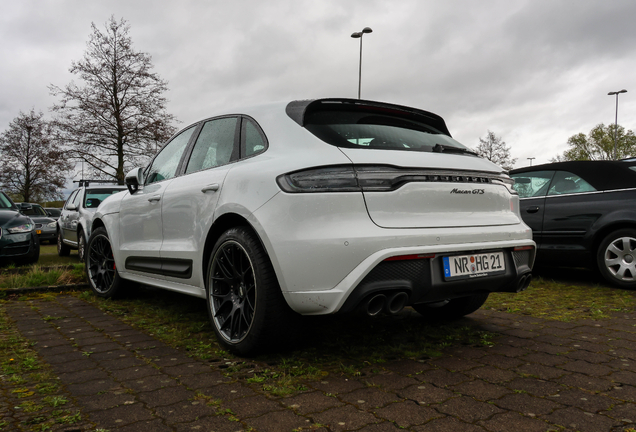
<point x="317" y="207"/>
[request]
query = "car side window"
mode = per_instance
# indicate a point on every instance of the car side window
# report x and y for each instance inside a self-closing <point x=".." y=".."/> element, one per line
<point x="78" y="198"/>
<point x="70" y="199"/>
<point x="214" y="146"/>
<point x="567" y="183"/>
<point x="254" y="140"/>
<point x="166" y="163"/>
<point x="532" y="184"/>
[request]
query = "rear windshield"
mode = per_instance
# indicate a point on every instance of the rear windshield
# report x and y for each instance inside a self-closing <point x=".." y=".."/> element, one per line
<point x="35" y="210"/>
<point x="373" y="130"/>
<point x="94" y="197"/>
<point x="54" y="211"/>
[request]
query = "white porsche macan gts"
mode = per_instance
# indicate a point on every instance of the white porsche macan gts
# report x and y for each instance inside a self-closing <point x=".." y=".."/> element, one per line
<point x="314" y="207"/>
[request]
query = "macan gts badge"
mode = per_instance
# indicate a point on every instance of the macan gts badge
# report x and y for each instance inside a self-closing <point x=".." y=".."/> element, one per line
<point x="314" y="207"/>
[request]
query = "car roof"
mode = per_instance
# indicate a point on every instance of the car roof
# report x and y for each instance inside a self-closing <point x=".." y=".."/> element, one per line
<point x="602" y="175"/>
<point x="278" y="113"/>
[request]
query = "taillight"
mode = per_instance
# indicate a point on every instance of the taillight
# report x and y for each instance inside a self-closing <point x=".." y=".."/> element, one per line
<point x="327" y="179"/>
<point x="370" y="178"/>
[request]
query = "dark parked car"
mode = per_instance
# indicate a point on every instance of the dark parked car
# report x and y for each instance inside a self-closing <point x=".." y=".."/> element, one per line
<point x="18" y="241"/>
<point x="45" y="226"/>
<point x="583" y="213"/>
<point x="53" y="212"/>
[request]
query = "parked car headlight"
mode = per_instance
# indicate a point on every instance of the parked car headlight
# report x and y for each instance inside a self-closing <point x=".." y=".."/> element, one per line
<point x="51" y="224"/>
<point x="24" y="228"/>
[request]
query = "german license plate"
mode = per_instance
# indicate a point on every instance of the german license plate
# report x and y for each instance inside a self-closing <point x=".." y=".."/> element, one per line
<point x="473" y="266"/>
<point x="38" y="231"/>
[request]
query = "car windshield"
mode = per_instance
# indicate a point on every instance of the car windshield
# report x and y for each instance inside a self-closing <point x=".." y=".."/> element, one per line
<point x="372" y="130"/>
<point x="35" y="210"/>
<point x="94" y="197"/>
<point x="4" y="202"/>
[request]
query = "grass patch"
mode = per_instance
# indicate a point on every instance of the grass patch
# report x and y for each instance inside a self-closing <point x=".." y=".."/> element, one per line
<point x="30" y="385"/>
<point x="36" y="276"/>
<point x="564" y="301"/>
<point x="49" y="256"/>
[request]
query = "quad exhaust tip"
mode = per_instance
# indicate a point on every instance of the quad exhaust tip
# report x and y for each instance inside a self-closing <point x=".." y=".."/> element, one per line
<point x="375" y="305"/>
<point x="391" y="304"/>
<point x="396" y="303"/>
<point x="524" y="282"/>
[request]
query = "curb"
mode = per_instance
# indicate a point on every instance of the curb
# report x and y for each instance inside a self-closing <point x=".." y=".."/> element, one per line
<point x="22" y="270"/>
<point x="72" y="287"/>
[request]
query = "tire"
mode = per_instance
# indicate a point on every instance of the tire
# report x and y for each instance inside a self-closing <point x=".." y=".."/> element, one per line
<point x="244" y="300"/>
<point x="616" y="258"/>
<point x="81" y="246"/>
<point x="451" y="309"/>
<point x="101" y="271"/>
<point x="62" y="249"/>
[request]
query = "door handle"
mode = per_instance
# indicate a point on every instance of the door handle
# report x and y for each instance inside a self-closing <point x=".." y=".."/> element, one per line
<point x="154" y="198"/>
<point x="213" y="187"/>
<point x="532" y="209"/>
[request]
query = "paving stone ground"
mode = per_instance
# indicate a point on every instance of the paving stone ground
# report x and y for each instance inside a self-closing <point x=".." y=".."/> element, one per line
<point x="539" y="376"/>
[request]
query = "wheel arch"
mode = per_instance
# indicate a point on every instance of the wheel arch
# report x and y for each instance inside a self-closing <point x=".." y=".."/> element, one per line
<point x="80" y="230"/>
<point x="606" y="230"/>
<point x="97" y="223"/>
<point x="220" y="225"/>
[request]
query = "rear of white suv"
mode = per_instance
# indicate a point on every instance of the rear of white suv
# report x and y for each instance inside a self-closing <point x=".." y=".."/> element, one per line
<point x="320" y="206"/>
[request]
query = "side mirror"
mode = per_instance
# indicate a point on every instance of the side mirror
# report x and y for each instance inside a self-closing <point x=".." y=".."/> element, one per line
<point x="71" y="207"/>
<point x="134" y="179"/>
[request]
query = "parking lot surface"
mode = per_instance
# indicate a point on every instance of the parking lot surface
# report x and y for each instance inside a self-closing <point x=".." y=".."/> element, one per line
<point x="539" y="375"/>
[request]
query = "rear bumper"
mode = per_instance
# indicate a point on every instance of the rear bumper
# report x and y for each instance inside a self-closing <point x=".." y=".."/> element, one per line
<point x="422" y="280"/>
<point x="323" y="246"/>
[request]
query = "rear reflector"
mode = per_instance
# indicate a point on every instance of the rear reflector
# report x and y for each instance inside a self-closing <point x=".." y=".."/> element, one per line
<point x="522" y="248"/>
<point x="409" y="257"/>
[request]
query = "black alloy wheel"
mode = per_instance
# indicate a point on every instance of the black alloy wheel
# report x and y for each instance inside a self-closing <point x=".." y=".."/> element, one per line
<point x="245" y="302"/>
<point x="233" y="294"/>
<point x="100" y="265"/>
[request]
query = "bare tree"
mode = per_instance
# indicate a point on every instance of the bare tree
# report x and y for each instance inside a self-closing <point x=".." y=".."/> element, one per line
<point x="599" y="144"/>
<point x="495" y="150"/>
<point x="115" y="119"/>
<point x="32" y="166"/>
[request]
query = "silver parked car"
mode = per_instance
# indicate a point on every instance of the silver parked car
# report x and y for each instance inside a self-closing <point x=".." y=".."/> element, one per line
<point x="317" y="207"/>
<point x="45" y="225"/>
<point x="74" y="223"/>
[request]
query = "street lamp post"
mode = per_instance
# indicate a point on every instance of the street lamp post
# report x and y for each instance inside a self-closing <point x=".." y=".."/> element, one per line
<point x="616" y="117"/>
<point x="530" y="159"/>
<point x="358" y="35"/>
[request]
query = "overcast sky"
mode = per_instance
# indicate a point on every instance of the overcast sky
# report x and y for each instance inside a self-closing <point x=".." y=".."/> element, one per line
<point x="534" y="72"/>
